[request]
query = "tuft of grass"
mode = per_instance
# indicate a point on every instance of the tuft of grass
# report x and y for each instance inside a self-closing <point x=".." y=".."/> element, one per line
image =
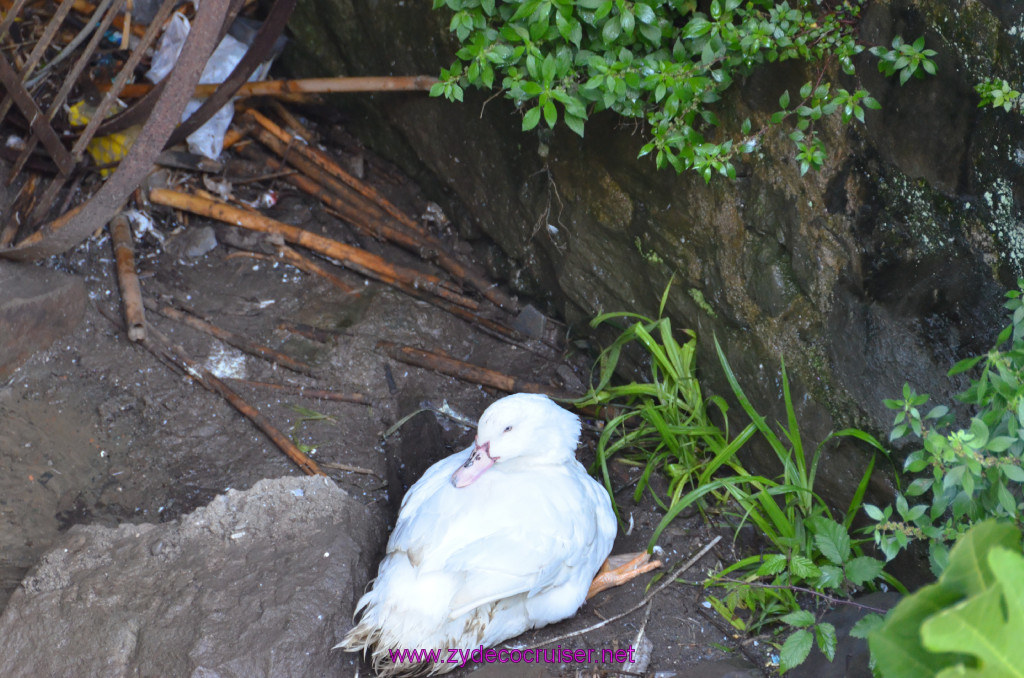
<point x="665" y="425"/>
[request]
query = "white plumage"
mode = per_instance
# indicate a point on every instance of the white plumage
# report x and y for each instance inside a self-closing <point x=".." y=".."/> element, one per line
<point x="513" y="547"/>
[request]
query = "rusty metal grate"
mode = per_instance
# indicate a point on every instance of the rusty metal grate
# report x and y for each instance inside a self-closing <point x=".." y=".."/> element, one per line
<point x="52" y="53"/>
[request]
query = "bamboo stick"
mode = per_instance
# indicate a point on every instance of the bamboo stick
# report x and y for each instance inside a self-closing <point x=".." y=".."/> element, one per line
<point x="128" y="280"/>
<point x="319" y="334"/>
<point x="285" y="88"/>
<point x="463" y="370"/>
<point x="306" y="392"/>
<point x="327" y="164"/>
<point x="212" y="383"/>
<point x="289" y="256"/>
<point x="329" y="190"/>
<point x="232" y="338"/>
<point x="157" y="344"/>
<point x="319" y="167"/>
<point x="361" y="261"/>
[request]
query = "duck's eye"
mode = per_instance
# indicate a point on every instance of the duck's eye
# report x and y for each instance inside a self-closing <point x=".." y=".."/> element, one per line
<point x="507" y="429"/>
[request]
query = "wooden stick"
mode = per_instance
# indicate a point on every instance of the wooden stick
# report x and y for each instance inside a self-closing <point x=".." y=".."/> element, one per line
<point x="229" y="337"/>
<point x="306" y="392"/>
<point x="319" y="334"/>
<point x="287" y="255"/>
<point x="157" y="344"/>
<point x="294" y="126"/>
<point x="361" y="261"/>
<point x="326" y="163"/>
<point x="284" y="88"/>
<point x="128" y="280"/>
<point x="319" y="183"/>
<point x="319" y="167"/>
<point x="211" y="382"/>
<point x="350" y="468"/>
<point x="463" y="370"/>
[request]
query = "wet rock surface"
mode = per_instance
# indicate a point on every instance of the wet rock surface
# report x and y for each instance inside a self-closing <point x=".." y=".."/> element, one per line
<point x="257" y="583"/>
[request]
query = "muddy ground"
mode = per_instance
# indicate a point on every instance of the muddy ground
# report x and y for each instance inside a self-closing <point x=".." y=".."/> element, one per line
<point x="95" y="430"/>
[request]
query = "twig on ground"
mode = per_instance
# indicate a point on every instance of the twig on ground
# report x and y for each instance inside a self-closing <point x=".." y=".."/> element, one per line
<point x="289" y="256"/>
<point x="646" y="599"/>
<point x="463" y="370"/>
<point x="350" y="468"/>
<point x="306" y="392"/>
<point x="174" y="356"/>
<point x="229" y="337"/>
<point x="127" y="278"/>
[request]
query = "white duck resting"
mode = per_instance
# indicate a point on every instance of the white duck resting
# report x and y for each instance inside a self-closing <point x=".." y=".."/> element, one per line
<point x="502" y="537"/>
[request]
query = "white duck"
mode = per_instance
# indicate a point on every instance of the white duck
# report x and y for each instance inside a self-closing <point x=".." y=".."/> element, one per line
<point x="502" y="537"/>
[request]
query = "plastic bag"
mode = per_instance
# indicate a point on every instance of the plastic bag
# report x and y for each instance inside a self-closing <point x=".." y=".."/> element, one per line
<point x="208" y="140"/>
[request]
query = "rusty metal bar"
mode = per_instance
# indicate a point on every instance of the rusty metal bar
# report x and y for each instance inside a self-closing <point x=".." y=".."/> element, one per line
<point x="36" y="118"/>
<point x="112" y="7"/>
<point x="75" y="226"/>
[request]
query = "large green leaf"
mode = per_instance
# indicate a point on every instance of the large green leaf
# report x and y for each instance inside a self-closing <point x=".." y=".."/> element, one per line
<point x="897" y="646"/>
<point x="988" y="625"/>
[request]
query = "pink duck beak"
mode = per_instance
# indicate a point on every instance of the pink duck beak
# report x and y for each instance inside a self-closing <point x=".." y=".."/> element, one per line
<point x="478" y="462"/>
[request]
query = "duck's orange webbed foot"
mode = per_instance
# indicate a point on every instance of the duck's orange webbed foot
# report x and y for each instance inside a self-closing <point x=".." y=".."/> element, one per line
<point x="620" y="569"/>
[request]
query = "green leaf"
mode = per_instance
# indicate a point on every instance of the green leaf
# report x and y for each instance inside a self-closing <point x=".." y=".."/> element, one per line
<point x="773" y="564"/>
<point x="784" y="100"/>
<point x="531" y="118"/>
<point x="831" y="539"/>
<point x="643" y="12"/>
<point x="795" y="650"/>
<point x="866" y="624"/>
<point x="612" y="29"/>
<point x="988" y="625"/>
<point x="863" y="569"/>
<point x="825" y="634"/>
<point x="798" y="618"/>
<point x="550" y="113"/>
<point x="874" y="512"/>
<point x="575" y="123"/>
<point x="803" y="567"/>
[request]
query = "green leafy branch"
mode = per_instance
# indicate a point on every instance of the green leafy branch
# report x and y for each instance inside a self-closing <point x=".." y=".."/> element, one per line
<point x="665" y="63"/>
<point x="967" y="474"/>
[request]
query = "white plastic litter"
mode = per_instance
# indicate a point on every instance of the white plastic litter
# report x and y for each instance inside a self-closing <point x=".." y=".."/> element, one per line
<point x="208" y="140"/>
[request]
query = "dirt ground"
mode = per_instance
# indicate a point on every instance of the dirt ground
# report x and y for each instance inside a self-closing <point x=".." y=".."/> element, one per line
<point x="96" y="430"/>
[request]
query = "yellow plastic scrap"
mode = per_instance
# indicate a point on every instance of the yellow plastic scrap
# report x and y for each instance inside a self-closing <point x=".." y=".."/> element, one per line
<point x="106" y="150"/>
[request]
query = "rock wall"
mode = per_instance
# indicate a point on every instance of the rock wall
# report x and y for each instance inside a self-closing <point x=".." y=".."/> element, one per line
<point x="887" y="266"/>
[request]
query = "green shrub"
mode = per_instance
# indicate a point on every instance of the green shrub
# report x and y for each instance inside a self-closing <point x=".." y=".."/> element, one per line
<point x="964" y="474"/>
<point x="667" y="63"/>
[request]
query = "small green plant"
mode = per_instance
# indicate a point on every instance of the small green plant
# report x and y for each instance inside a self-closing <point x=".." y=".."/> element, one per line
<point x="667" y="63"/>
<point x="999" y="94"/>
<point x="969" y="622"/>
<point x="967" y="474"/>
<point x="662" y="424"/>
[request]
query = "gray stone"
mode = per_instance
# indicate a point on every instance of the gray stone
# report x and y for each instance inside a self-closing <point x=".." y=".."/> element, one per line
<point x="37" y="305"/>
<point x="257" y="583"/>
